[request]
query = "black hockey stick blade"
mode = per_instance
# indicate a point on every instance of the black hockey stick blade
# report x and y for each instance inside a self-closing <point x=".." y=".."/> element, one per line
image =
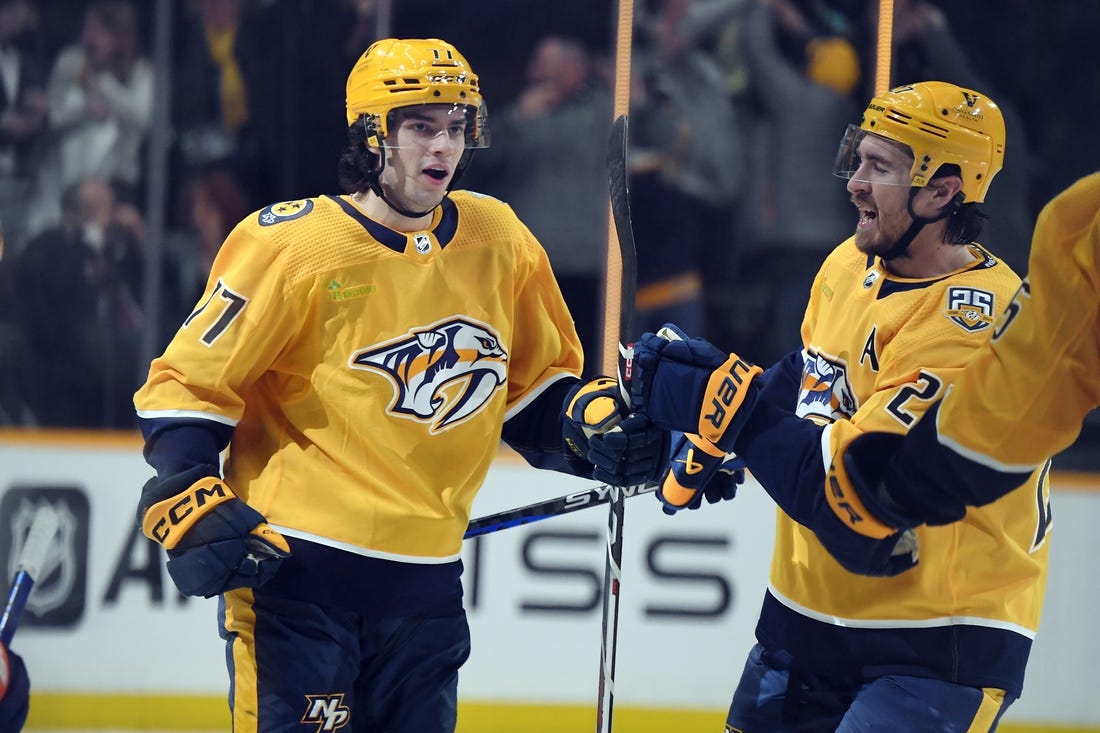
<point x="620" y="210"/>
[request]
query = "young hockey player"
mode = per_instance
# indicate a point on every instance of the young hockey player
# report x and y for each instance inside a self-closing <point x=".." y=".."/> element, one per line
<point x="361" y="357"/>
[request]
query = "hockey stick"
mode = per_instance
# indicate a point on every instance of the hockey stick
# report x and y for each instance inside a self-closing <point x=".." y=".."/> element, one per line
<point x="884" y="46"/>
<point x="538" y="511"/>
<point x="31" y="559"/>
<point x="620" y="211"/>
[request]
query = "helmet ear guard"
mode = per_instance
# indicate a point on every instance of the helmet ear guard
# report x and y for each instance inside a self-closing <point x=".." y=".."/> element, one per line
<point x="940" y="124"/>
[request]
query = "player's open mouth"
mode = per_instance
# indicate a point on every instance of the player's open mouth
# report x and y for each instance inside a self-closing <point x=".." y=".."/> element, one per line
<point x="866" y="216"/>
<point x="436" y="173"/>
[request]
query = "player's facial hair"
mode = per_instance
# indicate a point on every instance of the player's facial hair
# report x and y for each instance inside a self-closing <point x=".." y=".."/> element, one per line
<point x="890" y="224"/>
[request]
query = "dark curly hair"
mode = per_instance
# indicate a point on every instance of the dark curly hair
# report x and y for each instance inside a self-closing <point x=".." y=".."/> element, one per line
<point x="357" y="165"/>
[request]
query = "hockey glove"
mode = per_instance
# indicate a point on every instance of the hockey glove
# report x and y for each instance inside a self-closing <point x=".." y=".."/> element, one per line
<point x="623" y="452"/>
<point x="633" y="453"/>
<point x="858" y="522"/>
<point x="215" y="541"/>
<point x="698" y="469"/>
<point x="591" y="407"/>
<point x="15" y="689"/>
<point x="688" y="385"/>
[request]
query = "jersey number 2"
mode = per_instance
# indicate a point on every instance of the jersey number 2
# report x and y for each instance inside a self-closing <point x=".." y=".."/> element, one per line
<point x="925" y="389"/>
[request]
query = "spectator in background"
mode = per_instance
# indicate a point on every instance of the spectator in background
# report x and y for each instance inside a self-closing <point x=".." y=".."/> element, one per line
<point x="925" y="47"/>
<point x="548" y="160"/>
<point x="13" y="409"/>
<point x="802" y="104"/>
<point x="100" y="97"/>
<point x="81" y="317"/>
<point x="212" y="203"/>
<point x="291" y="78"/>
<point x="209" y="86"/>
<point x="22" y="114"/>
<point x="687" y="169"/>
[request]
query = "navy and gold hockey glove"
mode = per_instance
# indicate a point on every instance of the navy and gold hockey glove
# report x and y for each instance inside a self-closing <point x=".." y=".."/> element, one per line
<point x="699" y="470"/>
<point x="687" y="385"/>
<point x="624" y="451"/>
<point x="633" y="453"/>
<point x="591" y="408"/>
<point x="858" y="522"/>
<point x="215" y="541"/>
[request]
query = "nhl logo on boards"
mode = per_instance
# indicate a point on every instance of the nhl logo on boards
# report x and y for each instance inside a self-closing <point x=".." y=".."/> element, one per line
<point x="60" y="592"/>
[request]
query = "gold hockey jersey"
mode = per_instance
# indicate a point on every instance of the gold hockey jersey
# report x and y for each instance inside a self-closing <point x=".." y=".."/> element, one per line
<point x="878" y="351"/>
<point x="1024" y="397"/>
<point x="365" y="374"/>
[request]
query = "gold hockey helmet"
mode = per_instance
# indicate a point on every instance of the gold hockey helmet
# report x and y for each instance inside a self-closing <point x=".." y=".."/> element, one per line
<point x="395" y="72"/>
<point x="941" y="124"/>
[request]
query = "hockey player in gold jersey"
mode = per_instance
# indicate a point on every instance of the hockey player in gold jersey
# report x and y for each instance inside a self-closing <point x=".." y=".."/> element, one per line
<point x="361" y="357"/>
<point x="1021" y="398"/>
<point x="865" y="628"/>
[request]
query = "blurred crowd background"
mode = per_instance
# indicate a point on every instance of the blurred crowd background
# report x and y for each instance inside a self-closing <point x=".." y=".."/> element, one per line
<point x="135" y="134"/>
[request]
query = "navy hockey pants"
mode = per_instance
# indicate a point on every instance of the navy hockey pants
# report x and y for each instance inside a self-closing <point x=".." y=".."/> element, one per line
<point x="773" y="700"/>
<point x="297" y="667"/>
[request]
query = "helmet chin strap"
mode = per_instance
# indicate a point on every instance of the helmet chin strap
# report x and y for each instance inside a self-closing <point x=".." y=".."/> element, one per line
<point x="919" y="223"/>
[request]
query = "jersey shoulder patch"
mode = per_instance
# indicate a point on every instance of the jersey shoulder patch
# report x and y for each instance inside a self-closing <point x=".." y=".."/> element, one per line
<point x="284" y="211"/>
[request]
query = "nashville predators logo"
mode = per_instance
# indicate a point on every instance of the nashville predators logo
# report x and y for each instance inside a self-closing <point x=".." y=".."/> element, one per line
<point x="327" y="712"/>
<point x="826" y="392"/>
<point x="443" y="373"/>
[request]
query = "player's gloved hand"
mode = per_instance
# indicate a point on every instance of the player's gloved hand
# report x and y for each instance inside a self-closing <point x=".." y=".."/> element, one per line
<point x="15" y="690"/>
<point x="623" y="451"/>
<point x="857" y="521"/>
<point x="633" y="453"/>
<point x="698" y="470"/>
<point x="591" y="408"/>
<point x="687" y="385"/>
<point x="215" y="541"/>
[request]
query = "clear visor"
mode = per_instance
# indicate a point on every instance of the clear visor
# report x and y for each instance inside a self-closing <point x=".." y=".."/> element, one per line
<point x="870" y="158"/>
<point x="431" y="125"/>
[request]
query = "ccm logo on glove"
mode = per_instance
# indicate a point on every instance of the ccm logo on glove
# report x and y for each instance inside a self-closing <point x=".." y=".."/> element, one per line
<point x="167" y="521"/>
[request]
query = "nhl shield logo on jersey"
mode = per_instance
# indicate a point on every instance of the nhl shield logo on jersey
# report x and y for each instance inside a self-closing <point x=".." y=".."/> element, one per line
<point x="970" y="308"/>
<point x="285" y="211"/>
<point x="443" y="373"/>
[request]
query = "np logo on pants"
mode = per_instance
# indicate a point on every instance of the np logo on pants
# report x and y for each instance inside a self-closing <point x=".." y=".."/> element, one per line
<point x="327" y="712"/>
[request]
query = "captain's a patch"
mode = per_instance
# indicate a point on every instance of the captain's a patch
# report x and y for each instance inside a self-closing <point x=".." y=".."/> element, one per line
<point x="285" y="211"/>
<point x="970" y="308"/>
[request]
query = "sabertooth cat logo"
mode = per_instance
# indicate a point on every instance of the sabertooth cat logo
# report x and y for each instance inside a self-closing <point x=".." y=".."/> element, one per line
<point x="443" y="373"/>
<point x="825" y="393"/>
